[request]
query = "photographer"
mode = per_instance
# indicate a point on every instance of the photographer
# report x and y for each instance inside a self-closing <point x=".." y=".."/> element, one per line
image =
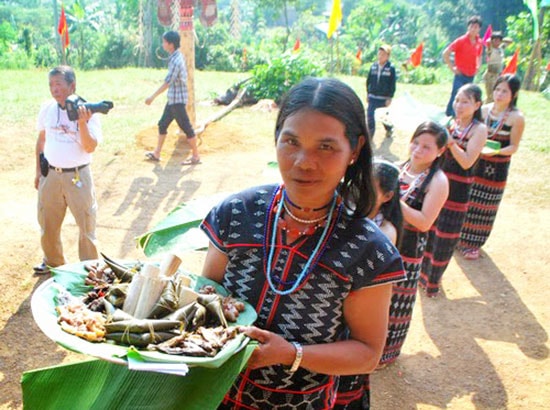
<point x="63" y="175"/>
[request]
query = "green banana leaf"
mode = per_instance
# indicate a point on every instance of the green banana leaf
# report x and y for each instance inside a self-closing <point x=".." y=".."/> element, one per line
<point x="179" y="230"/>
<point x="98" y="384"/>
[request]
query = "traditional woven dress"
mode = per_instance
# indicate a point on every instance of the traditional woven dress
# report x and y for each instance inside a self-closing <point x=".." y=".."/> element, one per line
<point x="354" y="391"/>
<point x="445" y="232"/>
<point x="353" y="254"/>
<point x="412" y="249"/>
<point x="490" y="178"/>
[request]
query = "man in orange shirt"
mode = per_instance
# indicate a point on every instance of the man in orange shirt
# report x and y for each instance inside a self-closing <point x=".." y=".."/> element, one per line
<point x="467" y="51"/>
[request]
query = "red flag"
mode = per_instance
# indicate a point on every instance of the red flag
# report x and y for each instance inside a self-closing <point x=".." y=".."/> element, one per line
<point x="512" y="65"/>
<point x="416" y="56"/>
<point x="359" y="54"/>
<point x="63" y="29"/>
<point x="487" y="36"/>
<point x="296" y="45"/>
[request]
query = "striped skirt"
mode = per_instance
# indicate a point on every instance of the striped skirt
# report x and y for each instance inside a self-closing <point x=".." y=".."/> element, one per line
<point x="353" y="393"/>
<point x="403" y="299"/>
<point x="487" y="191"/>
<point x="445" y="233"/>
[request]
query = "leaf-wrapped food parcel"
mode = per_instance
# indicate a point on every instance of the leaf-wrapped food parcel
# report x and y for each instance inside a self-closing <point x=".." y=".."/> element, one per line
<point x="139" y="339"/>
<point x="142" y="325"/>
<point x="167" y="302"/>
<point x="116" y="295"/>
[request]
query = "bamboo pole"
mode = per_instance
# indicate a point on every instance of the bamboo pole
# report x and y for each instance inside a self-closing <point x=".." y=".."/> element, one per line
<point x="187" y="48"/>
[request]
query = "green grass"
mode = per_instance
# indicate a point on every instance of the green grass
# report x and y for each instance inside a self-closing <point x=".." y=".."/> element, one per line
<point x="23" y="91"/>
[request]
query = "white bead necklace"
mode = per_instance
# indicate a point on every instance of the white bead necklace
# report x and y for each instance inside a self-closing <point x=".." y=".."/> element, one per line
<point x="303" y="221"/>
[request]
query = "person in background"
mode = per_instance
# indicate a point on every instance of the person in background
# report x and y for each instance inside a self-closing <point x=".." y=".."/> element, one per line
<point x="424" y="189"/>
<point x="505" y="124"/>
<point x="63" y="174"/>
<point x="495" y="64"/>
<point x="467" y="51"/>
<point x="380" y="88"/>
<point x="176" y="84"/>
<point x="354" y="391"/>
<point x="467" y="138"/>
<point x="304" y="255"/>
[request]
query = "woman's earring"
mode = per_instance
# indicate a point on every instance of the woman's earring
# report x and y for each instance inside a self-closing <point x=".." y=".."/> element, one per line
<point x="352" y="161"/>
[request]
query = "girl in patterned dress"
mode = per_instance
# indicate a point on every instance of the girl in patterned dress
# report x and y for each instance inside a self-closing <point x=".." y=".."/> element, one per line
<point x="304" y="255"/>
<point x="424" y="189"/>
<point x="505" y="124"/>
<point x="354" y="391"/>
<point x="467" y="138"/>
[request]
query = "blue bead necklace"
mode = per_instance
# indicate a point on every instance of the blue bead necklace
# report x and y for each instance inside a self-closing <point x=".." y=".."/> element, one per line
<point x="314" y="255"/>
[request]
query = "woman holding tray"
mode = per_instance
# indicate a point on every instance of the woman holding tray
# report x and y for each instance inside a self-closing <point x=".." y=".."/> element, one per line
<point x="505" y="124"/>
<point x="467" y="138"/>
<point x="306" y="257"/>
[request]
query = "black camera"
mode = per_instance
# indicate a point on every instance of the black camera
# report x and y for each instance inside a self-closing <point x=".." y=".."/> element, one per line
<point x="74" y="101"/>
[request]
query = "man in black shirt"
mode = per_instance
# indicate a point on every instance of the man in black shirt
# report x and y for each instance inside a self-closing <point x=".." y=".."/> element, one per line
<point x="380" y="88"/>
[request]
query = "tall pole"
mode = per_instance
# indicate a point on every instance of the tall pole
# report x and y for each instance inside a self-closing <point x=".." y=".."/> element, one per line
<point x="187" y="48"/>
<point x="58" y="43"/>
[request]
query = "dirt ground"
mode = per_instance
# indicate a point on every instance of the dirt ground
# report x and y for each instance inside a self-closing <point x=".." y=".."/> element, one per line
<point x="483" y="344"/>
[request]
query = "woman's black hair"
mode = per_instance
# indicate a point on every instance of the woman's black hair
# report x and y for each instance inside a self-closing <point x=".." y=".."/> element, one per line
<point x="334" y="98"/>
<point x="387" y="175"/>
<point x="441" y="136"/>
<point x="514" y="83"/>
<point x="473" y="91"/>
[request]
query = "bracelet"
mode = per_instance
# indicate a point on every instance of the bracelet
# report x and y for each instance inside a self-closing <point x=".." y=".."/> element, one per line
<point x="298" y="358"/>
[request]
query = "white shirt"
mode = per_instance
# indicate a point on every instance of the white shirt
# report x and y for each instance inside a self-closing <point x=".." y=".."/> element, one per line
<point x="63" y="147"/>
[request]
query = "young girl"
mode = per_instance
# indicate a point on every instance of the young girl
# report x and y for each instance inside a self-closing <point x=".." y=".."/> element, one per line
<point x="424" y="189"/>
<point x="468" y="135"/>
<point x="505" y="124"/>
<point x="354" y="391"/>
<point x="387" y="212"/>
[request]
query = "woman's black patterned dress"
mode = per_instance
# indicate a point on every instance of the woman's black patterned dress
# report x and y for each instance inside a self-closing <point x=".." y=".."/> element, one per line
<point x="490" y="178"/>
<point x="356" y="255"/>
<point x="445" y="233"/>
<point x="412" y="249"/>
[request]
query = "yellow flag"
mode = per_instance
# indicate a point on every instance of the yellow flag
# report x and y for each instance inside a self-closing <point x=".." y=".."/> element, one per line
<point x="335" y="18"/>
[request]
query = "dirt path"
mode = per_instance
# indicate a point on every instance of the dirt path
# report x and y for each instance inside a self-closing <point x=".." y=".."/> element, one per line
<point x="482" y="345"/>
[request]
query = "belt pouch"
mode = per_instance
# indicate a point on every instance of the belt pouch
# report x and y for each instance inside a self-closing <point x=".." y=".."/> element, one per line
<point x="44" y="165"/>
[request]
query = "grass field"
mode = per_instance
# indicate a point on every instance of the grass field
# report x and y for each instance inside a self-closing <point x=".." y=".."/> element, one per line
<point x="23" y="91"/>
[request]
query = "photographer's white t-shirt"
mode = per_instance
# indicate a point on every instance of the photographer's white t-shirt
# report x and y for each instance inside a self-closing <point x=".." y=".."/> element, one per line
<point x="63" y="147"/>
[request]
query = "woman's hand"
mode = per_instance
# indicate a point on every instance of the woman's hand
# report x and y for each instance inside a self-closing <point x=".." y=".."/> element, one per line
<point x="272" y="349"/>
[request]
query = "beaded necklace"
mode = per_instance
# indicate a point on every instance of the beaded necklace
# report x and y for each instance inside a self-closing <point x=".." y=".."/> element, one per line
<point x="305" y="209"/>
<point x="303" y="221"/>
<point x="278" y="201"/>
<point x="461" y="135"/>
<point x="416" y="182"/>
<point x="493" y="128"/>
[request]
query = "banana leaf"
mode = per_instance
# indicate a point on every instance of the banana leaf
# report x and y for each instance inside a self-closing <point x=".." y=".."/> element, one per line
<point x="178" y="231"/>
<point x="98" y="384"/>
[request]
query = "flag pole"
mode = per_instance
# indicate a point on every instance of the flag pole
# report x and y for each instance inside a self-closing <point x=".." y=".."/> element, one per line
<point x="58" y="43"/>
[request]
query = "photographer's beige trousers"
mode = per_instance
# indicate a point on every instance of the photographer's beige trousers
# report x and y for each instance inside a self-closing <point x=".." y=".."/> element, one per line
<point x="56" y="192"/>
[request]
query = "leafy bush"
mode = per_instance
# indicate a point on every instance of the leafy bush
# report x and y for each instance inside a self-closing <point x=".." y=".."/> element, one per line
<point x="273" y="80"/>
<point x="419" y="75"/>
<point x="17" y="59"/>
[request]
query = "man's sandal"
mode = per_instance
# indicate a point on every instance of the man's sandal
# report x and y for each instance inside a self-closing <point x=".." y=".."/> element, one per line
<point x="151" y="157"/>
<point x="191" y="161"/>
